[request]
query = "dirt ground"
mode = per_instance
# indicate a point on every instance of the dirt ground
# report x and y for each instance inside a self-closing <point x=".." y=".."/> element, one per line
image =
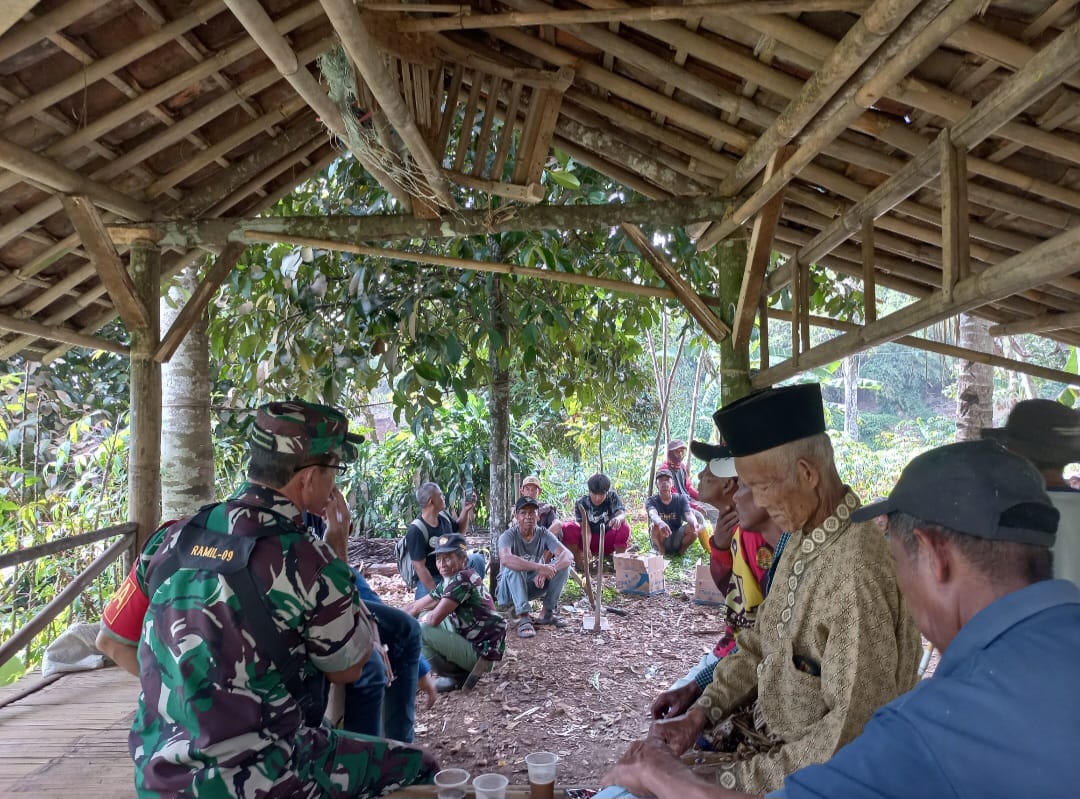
<point x="581" y="694"/>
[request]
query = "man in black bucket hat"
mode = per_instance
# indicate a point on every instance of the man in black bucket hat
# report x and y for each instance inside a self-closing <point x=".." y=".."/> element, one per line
<point x="970" y="528"/>
<point x="1048" y="434"/>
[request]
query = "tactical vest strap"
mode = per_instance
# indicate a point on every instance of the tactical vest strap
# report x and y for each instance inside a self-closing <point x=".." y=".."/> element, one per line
<point x="203" y="549"/>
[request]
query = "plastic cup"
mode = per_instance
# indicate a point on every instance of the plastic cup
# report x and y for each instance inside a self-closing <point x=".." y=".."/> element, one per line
<point x="542" y="768"/>
<point x="451" y="783"/>
<point x="490" y="786"/>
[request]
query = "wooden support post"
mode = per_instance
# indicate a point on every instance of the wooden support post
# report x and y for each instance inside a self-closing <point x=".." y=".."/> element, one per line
<point x="734" y="358"/>
<point x="695" y="305"/>
<point x="955" y="244"/>
<point x="144" y="460"/>
<point x="804" y="305"/>
<point x="796" y="297"/>
<point x="763" y="332"/>
<point x="869" y="281"/>
<point x="757" y="259"/>
<point x="91" y="229"/>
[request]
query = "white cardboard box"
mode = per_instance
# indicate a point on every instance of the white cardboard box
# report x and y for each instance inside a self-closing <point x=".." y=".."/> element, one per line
<point x="705" y="590"/>
<point x="639" y="574"/>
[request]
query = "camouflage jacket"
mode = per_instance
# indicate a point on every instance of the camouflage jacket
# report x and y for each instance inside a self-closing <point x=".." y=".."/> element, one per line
<point x="215" y="718"/>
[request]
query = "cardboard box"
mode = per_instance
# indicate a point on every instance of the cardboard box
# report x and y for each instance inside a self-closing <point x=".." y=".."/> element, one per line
<point x="639" y="574"/>
<point x="705" y="590"/>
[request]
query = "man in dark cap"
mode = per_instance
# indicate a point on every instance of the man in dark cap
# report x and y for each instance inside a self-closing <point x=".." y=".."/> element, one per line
<point x="834" y="639"/>
<point x="673" y="527"/>
<point x="248" y="616"/>
<point x="970" y="528"/>
<point x="1048" y="434"/>
<point x="525" y="575"/>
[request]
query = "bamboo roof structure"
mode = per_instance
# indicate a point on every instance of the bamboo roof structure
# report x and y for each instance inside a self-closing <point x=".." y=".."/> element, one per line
<point x="929" y="146"/>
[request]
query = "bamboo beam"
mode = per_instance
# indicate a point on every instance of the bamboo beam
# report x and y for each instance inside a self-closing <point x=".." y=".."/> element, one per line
<point x="62" y="544"/>
<point x="265" y="34"/>
<point x="850" y="53"/>
<point x="196" y="306"/>
<point x="955" y="244"/>
<point x="1018" y="91"/>
<point x="12" y="12"/>
<point x="531" y="193"/>
<point x="106" y="260"/>
<point x="758" y="254"/>
<point x="922" y="33"/>
<point x="364" y="51"/>
<point x="694" y="304"/>
<point x="391" y="227"/>
<point x="28" y="327"/>
<point x="1044" y="262"/>
<point x="689" y="11"/>
<point x="29" y="164"/>
<point x="30" y="33"/>
<point x="948" y="350"/>
<point x="763" y="332"/>
<point x="868" y="274"/>
<point x="474" y="266"/>
<point x="1040" y="324"/>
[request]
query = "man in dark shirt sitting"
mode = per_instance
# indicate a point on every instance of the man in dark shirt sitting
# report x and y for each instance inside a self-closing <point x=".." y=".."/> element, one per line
<point x="672" y="525"/>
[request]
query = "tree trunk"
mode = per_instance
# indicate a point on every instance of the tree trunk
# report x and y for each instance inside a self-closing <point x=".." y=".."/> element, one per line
<point x="501" y="488"/>
<point x="975" y="395"/>
<point x="187" y="455"/>
<point x="851" y="397"/>
<point x="734" y="361"/>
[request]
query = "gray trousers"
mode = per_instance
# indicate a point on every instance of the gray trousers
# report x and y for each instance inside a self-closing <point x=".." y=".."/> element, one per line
<point x="517" y="588"/>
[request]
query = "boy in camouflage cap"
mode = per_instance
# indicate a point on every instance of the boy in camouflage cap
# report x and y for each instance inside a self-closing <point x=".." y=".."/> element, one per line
<point x="217" y="717"/>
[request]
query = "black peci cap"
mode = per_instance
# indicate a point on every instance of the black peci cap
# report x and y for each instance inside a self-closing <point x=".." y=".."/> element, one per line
<point x="1041" y="430"/>
<point x="771" y="418"/>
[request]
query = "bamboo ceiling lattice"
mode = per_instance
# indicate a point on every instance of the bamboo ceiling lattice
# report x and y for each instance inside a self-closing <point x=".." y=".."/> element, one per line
<point x="931" y="146"/>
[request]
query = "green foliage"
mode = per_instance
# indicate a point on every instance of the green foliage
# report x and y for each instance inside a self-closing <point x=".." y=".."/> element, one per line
<point x="451" y="448"/>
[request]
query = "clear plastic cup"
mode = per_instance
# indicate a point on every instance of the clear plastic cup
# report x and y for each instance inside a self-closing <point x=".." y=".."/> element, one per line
<point x="451" y="783"/>
<point x="490" y="786"/>
<point x="542" y="768"/>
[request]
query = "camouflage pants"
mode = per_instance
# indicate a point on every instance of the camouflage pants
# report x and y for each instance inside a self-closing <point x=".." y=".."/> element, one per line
<point x="354" y="766"/>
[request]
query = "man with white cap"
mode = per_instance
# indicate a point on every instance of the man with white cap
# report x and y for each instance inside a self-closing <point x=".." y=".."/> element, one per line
<point x="970" y="527"/>
<point x="834" y="641"/>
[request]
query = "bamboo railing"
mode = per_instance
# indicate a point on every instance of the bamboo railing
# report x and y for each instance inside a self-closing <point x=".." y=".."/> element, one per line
<point x="25" y="634"/>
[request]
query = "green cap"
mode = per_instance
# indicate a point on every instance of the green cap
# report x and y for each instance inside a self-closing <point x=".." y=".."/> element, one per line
<point x="302" y="428"/>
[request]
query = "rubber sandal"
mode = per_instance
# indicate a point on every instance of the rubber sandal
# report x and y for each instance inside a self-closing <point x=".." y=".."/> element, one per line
<point x="550" y="619"/>
<point x="525" y="629"/>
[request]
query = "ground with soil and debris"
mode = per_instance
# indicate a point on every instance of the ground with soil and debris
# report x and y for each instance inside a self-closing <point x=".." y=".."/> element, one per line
<point x="581" y="694"/>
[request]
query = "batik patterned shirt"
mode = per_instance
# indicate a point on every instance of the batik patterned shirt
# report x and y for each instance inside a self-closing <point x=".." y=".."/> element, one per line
<point x="475" y="618"/>
<point x="833" y="642"/>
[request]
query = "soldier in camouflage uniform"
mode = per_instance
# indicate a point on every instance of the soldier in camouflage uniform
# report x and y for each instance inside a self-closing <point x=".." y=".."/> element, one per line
<point x="216" y="718"/>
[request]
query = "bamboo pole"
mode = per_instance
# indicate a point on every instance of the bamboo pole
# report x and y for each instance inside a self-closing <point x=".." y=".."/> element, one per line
<point x="34" y="329"/>
<point x="144" y="460"/>
<point x="922" y="33"/>
<point x="868" y="273"/>
<point x="389" y="227"/>
<point x="1017" y="92"/>
<point x="62" y="600"/>
<point x="858" y="45"/>
<point x="364" y="51"/>
<point x="695" y="305"/>
<point x="473" y="266"/>
<point x="22" y="37"/>
<point x="1043" y="262"/>
<point x="28" y="164"/>
<point x="1040" y="324"/>
<point x="266" y="34"/>
<point x="689" y="11"/>
<point x="949" y="350"/>
<point x="63" y="544"/>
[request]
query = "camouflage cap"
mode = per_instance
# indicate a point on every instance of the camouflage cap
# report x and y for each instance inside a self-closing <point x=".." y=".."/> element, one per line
<point x="301" y="428"/>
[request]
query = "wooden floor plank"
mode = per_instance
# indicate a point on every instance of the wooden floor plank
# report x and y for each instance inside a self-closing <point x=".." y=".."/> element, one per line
<point x="70" y="737"/>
